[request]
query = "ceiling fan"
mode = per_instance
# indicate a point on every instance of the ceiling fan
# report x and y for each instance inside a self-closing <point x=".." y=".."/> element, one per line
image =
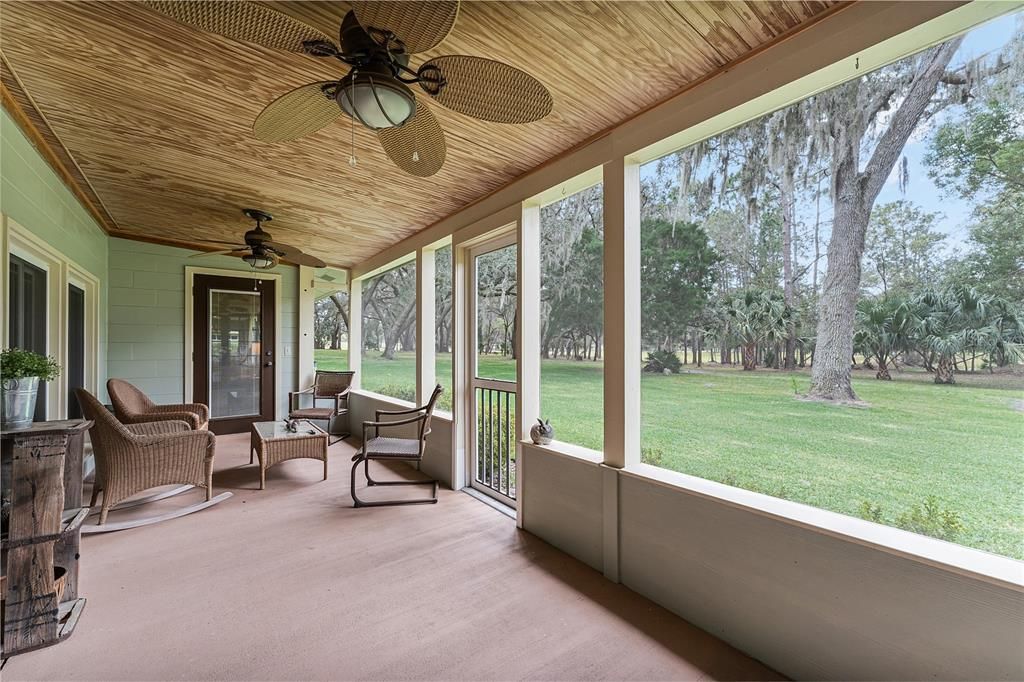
<point x="259" y="249"/>
<point x="376" y="40"/>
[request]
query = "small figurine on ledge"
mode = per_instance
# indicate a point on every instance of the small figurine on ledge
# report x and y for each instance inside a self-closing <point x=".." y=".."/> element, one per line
<point x="292" y="425"/>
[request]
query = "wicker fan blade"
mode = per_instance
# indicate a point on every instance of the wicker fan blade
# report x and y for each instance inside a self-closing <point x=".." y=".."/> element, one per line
<point x="298" y="113"/>
<point x="294" y="255"/>
<point x="240" y="20"/>
<point x="417" y="146"/>
<point x="485" y="89"/>
<point x="419" y="25"/>
<point x="221" y="241"/>
<point x="220" y="253"/>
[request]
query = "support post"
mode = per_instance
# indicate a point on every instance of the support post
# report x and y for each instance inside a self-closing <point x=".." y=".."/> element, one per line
<point x="307" y="320"/>
<point x="528" y="338"/>
<point x="462" y="349"/>
<point x="426" y="377"/>
<point x="355" y="331"/>
<point x="622" y="313"/>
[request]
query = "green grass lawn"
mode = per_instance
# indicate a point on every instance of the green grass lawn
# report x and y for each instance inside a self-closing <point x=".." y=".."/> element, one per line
<point x="962" y="444"/>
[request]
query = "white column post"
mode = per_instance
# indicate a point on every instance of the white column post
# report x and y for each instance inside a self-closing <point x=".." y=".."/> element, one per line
<point x="426" y="377"/>
<point x="528" y="338"/>
<point x="462" y="349"/>
<point x="355" y="330"/>
<point x="621" y="313"/>
<point x="307" y="305"/>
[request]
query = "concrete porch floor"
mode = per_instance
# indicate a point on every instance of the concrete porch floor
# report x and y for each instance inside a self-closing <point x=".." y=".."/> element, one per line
<point x="293" y="583"/>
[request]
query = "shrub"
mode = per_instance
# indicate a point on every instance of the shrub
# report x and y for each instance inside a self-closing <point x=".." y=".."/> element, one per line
<point x="870" y="511"/>
<point x="653" y="456"/>
<point x="16" y="363"/>
<point x="660" y="360"/>
<point x="928" y="518"/>
<point x="931" y="519"/>
<point x="398" y="391"/>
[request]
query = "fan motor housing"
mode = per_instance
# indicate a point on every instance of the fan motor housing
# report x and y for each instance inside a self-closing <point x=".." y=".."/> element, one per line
<point x="357" y="44"/>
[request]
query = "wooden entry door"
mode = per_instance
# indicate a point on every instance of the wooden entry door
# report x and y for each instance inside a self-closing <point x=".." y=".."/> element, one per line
<point x="233" y="360"/>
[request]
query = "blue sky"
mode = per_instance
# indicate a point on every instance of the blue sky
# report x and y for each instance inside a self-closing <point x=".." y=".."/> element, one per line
<point x="920" y="189"/>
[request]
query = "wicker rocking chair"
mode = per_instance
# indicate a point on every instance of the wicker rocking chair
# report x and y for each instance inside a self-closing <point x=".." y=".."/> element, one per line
<point x="333" y="386"/>
<point x="131" y="458"/>
<point x="132" y="406"/>
<point x="388" y="448"/>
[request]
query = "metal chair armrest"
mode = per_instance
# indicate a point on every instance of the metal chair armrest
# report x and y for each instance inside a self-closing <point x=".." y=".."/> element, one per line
<point x="378" y="425"/>
<point x="378" y="413"/>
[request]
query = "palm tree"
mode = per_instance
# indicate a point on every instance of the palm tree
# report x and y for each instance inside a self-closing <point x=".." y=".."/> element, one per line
<point x="884" y="329"/>
<point x="1002" y="336"/>
<point x="948" y="322"/>
<point x="757" y="316"/>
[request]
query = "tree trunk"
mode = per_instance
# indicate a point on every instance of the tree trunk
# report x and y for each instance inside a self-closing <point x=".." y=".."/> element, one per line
<point x="883" y="370"/>
<point x="944" y="371"/>
<point x="749" y="357"/>
<point x="788" y="286"/>
<point x="855" y="193"/>
<point x="830" y="377"/>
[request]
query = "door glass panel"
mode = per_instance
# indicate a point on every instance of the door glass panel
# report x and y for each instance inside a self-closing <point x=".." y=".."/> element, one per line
<point x="235" y="342"/>
<point x="75" y="368"/>
<point x="496" y="314"/>
<point x="28" y="313"/>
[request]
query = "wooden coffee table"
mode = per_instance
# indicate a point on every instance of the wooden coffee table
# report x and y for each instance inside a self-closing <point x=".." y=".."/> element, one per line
<point x="273" y="443"/>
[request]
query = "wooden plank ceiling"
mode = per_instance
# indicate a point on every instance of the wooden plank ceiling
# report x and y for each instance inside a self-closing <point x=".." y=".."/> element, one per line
<point x="157" y="116"/>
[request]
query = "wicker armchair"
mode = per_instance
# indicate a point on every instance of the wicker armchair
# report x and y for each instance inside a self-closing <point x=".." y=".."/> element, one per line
<point x="132" y="406"/>
<point x="131" y="458"/>
<point x="333" y="386"/>
<point x="389" y="448"/>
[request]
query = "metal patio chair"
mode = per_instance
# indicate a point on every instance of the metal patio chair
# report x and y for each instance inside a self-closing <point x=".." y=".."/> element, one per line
<point x="333" y="386"/>
<point x="396" y="449"/>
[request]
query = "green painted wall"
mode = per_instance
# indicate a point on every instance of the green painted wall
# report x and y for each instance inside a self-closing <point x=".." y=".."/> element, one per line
<point x="147" y="317"/>
<point x="33" y="195"/>
<point x="142" y="297"/>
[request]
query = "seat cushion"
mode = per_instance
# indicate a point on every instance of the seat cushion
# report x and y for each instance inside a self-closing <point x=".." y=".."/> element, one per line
<point x="398" y="448"/>
<point x="313" y="413"/>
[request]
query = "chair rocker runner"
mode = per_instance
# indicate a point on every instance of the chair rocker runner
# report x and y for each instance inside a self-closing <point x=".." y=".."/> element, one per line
<point x="131" y="458"/>
<point x="395" y="449"/>
<point x="333" y="386"/>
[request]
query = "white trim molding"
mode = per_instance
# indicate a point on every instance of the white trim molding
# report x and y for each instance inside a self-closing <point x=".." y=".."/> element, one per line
<point x="61" y="271"/>
<point x="190" y="272"/>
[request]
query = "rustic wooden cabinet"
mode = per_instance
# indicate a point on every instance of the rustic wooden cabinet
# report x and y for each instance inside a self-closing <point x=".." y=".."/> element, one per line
<point x="41" y="513"/>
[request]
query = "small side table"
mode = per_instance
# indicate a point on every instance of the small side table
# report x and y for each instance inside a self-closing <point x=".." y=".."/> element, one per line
<point x="273" y="443"/>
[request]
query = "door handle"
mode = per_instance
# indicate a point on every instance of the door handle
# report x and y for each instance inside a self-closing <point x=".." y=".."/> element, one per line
<point x="268" y="364"/>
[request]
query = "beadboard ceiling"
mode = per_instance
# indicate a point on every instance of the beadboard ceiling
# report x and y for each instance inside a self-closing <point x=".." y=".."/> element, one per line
<point x="152" y="119"/>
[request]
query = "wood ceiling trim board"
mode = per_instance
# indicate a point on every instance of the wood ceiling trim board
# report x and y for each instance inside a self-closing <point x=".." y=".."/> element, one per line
<point x="35" y="127"/>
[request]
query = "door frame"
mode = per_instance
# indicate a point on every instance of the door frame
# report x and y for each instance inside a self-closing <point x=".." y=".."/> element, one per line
<point x="492" y="241"/>
<point x="60" y="271"/>
<point x="190" y="273"/>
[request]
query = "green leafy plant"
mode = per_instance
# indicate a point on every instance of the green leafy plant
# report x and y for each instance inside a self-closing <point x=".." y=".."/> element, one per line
<point x="16" y="363"/>
<point x="398" y="391"/>
<point x="870" y="511"/>
<point x="653" y="456"/>
<point x="928" y="518"/>
<point x="660" y="360"/>
<point x="931" y="519"/>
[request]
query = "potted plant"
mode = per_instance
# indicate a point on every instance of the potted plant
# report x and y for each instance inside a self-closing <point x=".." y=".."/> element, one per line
<point x="20" y="373"/>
